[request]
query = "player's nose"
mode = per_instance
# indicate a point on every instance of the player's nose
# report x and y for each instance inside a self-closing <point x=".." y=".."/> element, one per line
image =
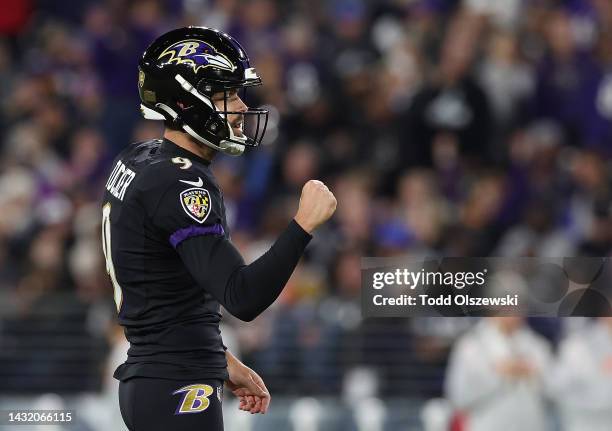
<point x="241" y="106"/>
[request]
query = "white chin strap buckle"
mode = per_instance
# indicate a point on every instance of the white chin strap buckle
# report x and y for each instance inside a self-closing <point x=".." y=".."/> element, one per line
<point x="231" y="148"/>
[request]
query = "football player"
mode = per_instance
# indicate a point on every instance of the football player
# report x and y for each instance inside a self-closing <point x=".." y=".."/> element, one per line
<point x="166" y="239"/>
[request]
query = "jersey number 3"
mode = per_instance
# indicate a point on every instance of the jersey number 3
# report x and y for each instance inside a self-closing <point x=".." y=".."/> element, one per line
<point x="106" y="247"/>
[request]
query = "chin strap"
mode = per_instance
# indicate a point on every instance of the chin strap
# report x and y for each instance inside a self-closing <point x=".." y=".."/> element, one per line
<point x="232" y="148"/>
<point x="228" y="148"/>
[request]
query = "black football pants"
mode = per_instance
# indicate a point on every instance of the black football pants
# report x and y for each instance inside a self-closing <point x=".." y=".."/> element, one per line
<point x="149" y="404"/>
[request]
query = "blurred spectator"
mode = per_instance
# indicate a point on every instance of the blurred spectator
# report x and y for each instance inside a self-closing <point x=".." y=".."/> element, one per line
<point x="582" y="384"/>
<point x="496" y="376"/>
<point x="452" y="101"/>
<point x="503" y="14"/>
<point x="508" y="82"/>
<point x="564" y="75"/>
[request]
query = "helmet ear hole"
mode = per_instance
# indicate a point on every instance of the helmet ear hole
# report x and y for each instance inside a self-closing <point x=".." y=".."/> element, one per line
<point x="215" y="126"/>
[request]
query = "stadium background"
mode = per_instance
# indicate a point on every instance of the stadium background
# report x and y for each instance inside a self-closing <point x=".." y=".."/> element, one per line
<point x="456" y="128"/>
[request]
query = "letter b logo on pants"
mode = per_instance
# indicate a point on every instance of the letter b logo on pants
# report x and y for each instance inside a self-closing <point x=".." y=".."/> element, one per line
<point x="195" y="398"/>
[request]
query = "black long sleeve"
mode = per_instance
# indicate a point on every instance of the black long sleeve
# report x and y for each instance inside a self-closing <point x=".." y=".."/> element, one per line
<point x="244" y="290"/>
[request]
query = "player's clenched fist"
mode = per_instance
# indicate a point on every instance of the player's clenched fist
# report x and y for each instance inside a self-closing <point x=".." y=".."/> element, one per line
<point x="317" y="204"/>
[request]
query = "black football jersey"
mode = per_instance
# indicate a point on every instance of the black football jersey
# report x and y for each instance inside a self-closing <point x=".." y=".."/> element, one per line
<point x="157" y="196"/>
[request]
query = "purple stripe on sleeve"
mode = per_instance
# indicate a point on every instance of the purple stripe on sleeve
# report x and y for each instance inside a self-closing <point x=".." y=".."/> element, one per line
<point x="182" y="234"/>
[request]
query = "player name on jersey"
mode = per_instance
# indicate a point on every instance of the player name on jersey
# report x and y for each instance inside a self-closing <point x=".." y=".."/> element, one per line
<point x="119" y="180"/>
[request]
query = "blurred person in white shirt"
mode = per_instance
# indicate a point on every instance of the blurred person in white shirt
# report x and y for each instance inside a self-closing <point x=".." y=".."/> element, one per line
<point x="504" y="14"/>
<point x="496" y="374"/>
<point x="582" y="380"/>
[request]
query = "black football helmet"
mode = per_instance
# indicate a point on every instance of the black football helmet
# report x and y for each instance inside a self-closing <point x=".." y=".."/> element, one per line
<point x="178" y="75"/>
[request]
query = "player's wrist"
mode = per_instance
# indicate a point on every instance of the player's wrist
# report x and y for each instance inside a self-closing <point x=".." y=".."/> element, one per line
<point x="308" y="227"/>
<point x="230" y="358"/>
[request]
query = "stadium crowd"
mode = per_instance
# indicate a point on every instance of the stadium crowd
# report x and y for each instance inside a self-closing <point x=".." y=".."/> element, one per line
<point x="444" y="128"/>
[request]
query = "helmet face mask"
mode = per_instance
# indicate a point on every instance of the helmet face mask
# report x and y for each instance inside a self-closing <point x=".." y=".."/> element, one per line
<point x="181" y="72"/>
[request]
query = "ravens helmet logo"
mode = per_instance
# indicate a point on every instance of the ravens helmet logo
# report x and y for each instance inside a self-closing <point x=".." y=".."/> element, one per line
<point x="198" y="54"/>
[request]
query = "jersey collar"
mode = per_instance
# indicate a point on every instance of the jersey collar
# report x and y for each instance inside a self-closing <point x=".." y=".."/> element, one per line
<point x="169" y="147"/>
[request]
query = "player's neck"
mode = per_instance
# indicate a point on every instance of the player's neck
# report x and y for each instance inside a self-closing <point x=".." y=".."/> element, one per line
<point x="183" y="140"/>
